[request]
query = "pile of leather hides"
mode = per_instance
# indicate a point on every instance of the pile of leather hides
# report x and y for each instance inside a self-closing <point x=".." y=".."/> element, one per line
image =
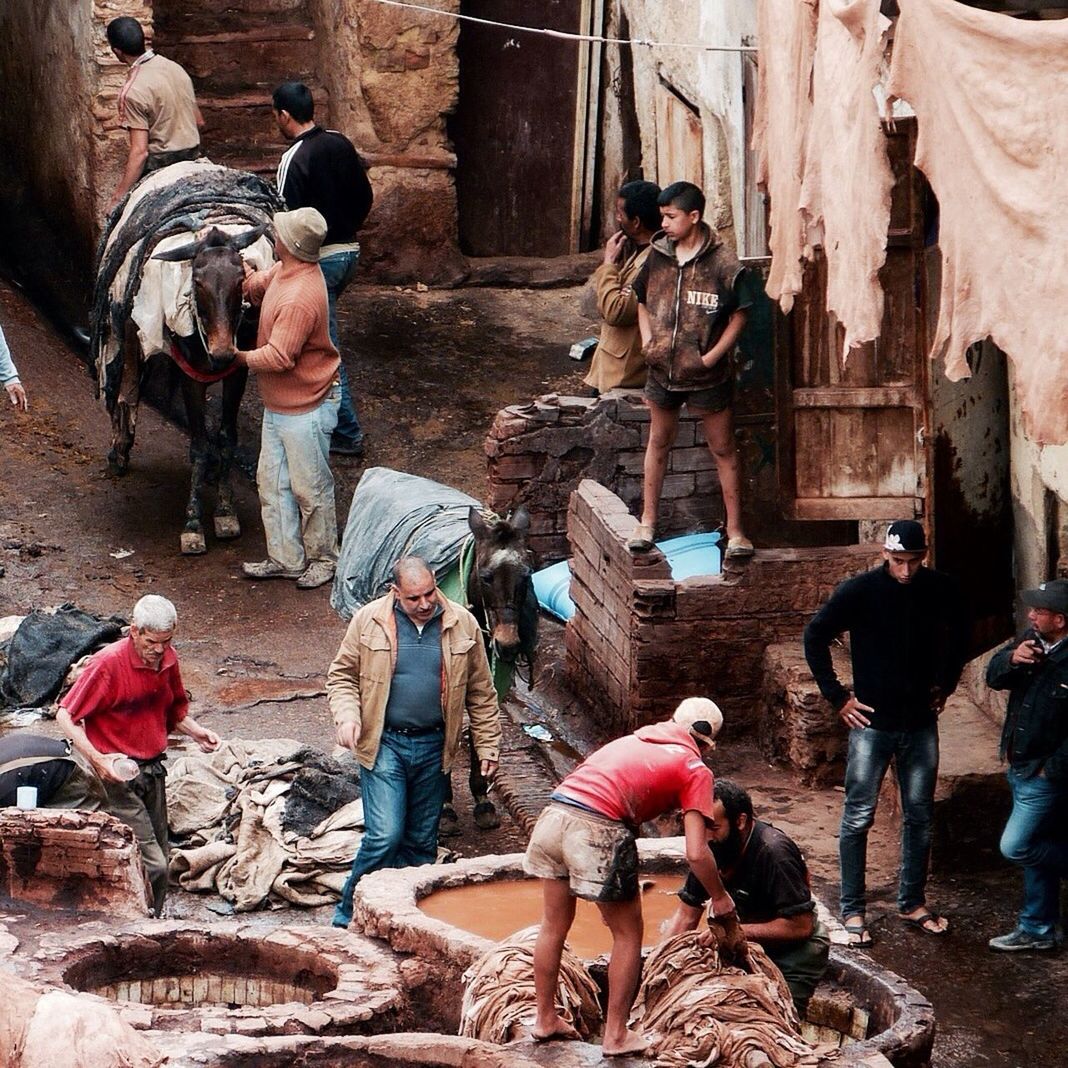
<point x="696" y="1010"/>
<point x="498" y="1003"/>
<point x="265" y="821"/>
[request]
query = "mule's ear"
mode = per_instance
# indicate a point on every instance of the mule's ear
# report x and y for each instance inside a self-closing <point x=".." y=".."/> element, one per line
<point x="521" y="520"/>
<point x="182" y="252"/>
<point x="249" y="237"/>
<point x="477" y="524"/>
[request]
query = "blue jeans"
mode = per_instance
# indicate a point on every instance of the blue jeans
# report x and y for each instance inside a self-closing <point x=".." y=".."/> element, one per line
<point x="915" y="755"/>
<point x="1031" y="840"/>
<point x="402" y="798"/>
<point x="337" y="272"/>
<point x="296" y="485"/>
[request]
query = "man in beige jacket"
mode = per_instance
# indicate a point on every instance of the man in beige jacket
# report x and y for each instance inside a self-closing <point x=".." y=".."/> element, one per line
<point x="409" y="666"/>
<point x="617" y="361"/>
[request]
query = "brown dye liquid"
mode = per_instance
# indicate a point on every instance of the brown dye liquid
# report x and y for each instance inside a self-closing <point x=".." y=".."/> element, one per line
<point x="496" y="910"/>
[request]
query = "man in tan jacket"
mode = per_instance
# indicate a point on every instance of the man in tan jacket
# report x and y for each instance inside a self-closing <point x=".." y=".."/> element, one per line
<point x="617" y="361"/>
<point x="409" y="666"/>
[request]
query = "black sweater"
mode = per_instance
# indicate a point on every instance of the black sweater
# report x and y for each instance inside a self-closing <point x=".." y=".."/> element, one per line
<point x="908" y="643"/>
<point x="322" y="170"/>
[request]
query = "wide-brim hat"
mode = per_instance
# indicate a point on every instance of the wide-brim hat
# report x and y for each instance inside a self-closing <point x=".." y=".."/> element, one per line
<point x="302" y="231"/>
<point x="905" y="536"/>
<point x="1052" y="595"/>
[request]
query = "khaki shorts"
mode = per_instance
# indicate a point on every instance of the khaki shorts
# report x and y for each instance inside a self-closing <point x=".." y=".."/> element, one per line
<point x="598" y="856"/>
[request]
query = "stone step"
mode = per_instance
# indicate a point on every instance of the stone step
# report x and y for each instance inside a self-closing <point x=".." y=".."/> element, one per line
<point x="244" y="119"/>
<point x="230" y="62"/>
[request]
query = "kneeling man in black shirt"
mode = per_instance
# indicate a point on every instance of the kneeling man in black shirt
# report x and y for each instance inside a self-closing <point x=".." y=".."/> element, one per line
<point x="765" y="873"/>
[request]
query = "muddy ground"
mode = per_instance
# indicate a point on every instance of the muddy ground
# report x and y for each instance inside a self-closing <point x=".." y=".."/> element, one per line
<point x="429" y="370"/>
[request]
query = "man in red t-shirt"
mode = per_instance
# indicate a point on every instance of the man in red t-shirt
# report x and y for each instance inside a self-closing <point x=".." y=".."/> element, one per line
<point x="125" y="703"/>
<point x="583" y="845"/>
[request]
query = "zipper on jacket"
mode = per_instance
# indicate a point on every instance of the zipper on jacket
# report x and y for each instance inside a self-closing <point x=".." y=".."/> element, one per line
<point x="675" y="328"/>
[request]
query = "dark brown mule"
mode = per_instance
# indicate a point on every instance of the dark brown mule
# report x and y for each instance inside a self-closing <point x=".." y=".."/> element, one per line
<point x="205" y="357"/>
<point x="501" y="597"/>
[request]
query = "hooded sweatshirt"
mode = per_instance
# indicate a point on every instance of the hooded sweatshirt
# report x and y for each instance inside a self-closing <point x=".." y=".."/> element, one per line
<point x="689" y="305"/>
<point x="655" y="770"/>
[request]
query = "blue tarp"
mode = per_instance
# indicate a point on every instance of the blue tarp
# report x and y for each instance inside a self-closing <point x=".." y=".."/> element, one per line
<point x="689" y="555"/>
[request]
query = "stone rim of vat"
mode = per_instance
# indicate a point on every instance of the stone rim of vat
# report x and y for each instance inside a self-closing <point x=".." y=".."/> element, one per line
<point x="365" y="982"/>
<point x="387" y="907"/>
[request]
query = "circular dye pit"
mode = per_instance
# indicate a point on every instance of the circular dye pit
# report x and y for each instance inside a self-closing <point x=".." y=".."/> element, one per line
<point x="496" y="910"/>
<point x="245" y="980"/>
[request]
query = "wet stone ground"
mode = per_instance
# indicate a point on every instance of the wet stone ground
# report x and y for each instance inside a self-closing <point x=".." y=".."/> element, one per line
<point x="430" y="370"/>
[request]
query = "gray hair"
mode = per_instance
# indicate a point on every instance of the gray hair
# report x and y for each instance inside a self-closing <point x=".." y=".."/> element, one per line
<point x="154" y="613"/>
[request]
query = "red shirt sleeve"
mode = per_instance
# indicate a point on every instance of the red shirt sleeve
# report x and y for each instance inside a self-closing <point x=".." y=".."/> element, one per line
<point x="86" y="695"/>
<point x="698" y="789"/>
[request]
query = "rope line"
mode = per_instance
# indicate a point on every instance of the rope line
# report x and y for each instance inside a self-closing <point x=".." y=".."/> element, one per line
<point x="565" y="34"/>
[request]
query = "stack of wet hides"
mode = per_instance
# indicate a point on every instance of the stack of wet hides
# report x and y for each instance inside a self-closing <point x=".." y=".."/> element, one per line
<point x="698" y="1010"/>
<point x="498" y="1003"/>
<point x="261" y="821"/>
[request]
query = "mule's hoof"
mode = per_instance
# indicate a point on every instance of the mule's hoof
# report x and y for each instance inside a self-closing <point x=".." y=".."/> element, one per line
<point x="193" y="543"/>
<point x="116" y="467"/>
<point x="448" y="823"/>
<point x="227" y="526"/>
<point x="486" y="816"/>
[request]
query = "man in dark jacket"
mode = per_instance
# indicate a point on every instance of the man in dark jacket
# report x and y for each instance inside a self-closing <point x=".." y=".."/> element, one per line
<point x="908" y="638"/>
<point x="691" y="312"/>
<point x="1034" y="669"/>
<point x="323" y="170"/>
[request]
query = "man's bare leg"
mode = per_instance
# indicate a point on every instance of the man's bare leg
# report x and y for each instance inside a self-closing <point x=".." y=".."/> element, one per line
<point x="663" y="429"/>
<point x="558" y="913"/>
<point x="624" y="920"/>
<point x="719" y="433"/>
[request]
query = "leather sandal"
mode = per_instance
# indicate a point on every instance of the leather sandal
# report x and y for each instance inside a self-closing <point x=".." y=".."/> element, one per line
<point x="856" y="928"/>
<point x="739" y="548"/>
<point x="924" y="921"/>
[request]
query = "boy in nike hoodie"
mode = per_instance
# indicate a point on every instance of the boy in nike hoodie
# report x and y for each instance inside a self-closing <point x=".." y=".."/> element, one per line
<point x="691" y="312"/>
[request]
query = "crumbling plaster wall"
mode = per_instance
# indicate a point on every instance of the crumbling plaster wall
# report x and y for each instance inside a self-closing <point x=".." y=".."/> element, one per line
<point x="712" y="81"/>
<point x="1039" y="476"/>
<point x="58" y="82"/>
<point x="392" y="77"/>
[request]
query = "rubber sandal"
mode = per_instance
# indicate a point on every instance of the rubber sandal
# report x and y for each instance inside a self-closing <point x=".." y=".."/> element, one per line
<point x="641" y="541"/>
<point x="739" y="548"/>
<point x="857" y="931"/>
<point x="920" y="922"/>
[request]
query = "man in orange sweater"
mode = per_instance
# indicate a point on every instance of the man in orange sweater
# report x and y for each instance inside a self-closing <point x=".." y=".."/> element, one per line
<point x="296" y="367"/>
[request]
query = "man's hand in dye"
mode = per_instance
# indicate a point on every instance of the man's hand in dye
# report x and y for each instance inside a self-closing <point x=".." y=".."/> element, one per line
<point x="852" y="713"/>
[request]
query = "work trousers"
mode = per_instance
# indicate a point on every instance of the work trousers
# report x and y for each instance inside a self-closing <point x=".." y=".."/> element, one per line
<point x="338" y="271"/>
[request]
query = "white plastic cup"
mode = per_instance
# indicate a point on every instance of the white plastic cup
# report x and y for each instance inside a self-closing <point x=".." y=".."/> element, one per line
<point x="26" y="797"/>
<point x="124" y="769"/>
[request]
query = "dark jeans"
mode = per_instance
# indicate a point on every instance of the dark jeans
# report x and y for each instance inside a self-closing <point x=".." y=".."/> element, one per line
<point x="915" y="756"/>
<point x="1034" y="838"/>
<point x="338" y="271"/>
<point x="402" y="798"/>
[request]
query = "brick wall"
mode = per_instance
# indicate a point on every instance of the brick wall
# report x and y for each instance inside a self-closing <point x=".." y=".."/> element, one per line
<point x="67" y="859"/>
<point x="539" y="452"/>
<point x="639" y="642"/>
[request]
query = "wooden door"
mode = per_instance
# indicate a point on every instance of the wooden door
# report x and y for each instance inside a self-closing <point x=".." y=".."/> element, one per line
<point x="853" y="437"/>
<point x="679" y="139"/>
<point x="515" y="128"/>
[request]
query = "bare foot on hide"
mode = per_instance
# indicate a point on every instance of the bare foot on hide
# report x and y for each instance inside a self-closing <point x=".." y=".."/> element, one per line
<point x="632" y="1044"/>
<point x="553" y="1030"/>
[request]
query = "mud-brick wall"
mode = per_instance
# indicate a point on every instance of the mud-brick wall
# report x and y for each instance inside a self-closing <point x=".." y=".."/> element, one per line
<point x="62" y="858"/>
<point x="392" y="78"/>
<point x="538" y="453"/>
<point x="639" y="642"/>
<point x="61" y="155"/>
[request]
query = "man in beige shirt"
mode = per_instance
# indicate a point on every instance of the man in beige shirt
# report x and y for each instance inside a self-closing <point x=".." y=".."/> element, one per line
<point x="157" y="106"/>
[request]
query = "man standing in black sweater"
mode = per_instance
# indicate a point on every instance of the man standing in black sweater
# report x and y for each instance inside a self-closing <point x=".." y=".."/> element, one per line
<point x="1034" y="669"/>
<point x="322" y="170"/>
<point x="908" y="638"/>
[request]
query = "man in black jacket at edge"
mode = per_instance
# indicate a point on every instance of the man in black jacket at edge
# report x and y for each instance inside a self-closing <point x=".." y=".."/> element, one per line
<point x="1034" y="669"/>
<point x="908" y="638"/>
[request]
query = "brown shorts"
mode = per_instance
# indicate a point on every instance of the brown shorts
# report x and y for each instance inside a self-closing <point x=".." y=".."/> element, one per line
<point x="598" y="856"/>
<point x="716" y="399"/>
